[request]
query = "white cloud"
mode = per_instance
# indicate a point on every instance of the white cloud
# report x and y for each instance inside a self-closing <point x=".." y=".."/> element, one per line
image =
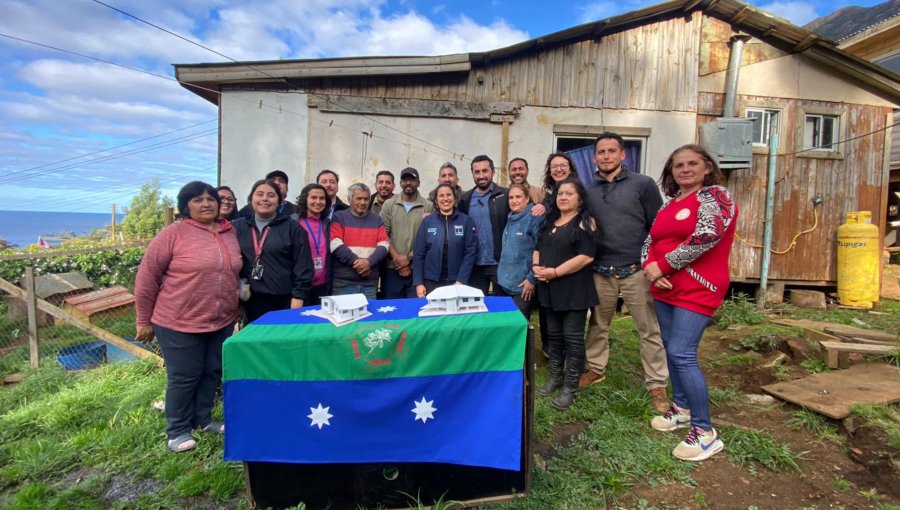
<point x="798" y="13"/>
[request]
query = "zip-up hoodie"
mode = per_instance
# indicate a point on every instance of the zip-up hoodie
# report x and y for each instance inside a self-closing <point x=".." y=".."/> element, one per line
<point x="188" y="278"/>
<point x="462" y="242"/>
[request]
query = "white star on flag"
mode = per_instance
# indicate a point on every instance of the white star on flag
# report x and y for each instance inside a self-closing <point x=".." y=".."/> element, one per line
<point x="307" y="313"/>
<point x="386" y="309"/>
<point x="424" y="410"/>
<point x="319" y="416"/>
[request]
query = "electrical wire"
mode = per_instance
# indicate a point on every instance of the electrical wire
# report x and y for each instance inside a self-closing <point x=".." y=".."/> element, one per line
<point x="793" y="242"/>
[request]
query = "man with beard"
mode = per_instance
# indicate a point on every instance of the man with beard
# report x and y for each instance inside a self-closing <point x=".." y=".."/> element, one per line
<point x="488" y="207"/>
<point x="518" y="174"/>
<point x="384" y="190"/>
<point x="624" y="205"/>
<point x="402" y="216"/>
<point x="329" y="180"/>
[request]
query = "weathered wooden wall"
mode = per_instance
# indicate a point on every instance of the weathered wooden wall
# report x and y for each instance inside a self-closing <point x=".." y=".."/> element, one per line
<point x="852" y="183"/>
<point x="649" y="67"/>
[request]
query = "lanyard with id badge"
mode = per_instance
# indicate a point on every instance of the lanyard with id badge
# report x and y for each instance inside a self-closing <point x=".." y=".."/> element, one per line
<point x="318" y="261"/>
<point x="257" y="272"/>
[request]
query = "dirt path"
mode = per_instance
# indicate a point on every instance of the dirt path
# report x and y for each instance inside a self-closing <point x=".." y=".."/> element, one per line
<point x="857" y="470"/>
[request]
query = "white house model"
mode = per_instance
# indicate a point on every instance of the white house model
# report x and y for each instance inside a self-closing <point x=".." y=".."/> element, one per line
<point x="346" y="308"/>
<point x="454" y="299"/>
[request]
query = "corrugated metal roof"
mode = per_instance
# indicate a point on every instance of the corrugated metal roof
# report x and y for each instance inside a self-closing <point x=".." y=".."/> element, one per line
<point x="47" y="285"/>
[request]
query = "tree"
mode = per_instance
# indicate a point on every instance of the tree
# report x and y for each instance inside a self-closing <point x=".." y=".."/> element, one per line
<point x="144" y="217"/>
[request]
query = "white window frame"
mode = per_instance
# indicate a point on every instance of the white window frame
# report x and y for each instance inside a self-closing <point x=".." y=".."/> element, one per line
<point x="813" y="137"/>
<point x="765" y="123"/>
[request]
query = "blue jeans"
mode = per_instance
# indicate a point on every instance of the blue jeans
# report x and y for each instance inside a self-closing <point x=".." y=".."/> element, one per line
<point x="681" y="331"/>
<point x="193" y="372"/>
<point x="352" y="288"/>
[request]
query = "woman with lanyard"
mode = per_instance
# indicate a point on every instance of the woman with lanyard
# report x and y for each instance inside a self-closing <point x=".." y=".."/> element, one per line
<point x="311" y="206"/>
<point x="275" y="254"/>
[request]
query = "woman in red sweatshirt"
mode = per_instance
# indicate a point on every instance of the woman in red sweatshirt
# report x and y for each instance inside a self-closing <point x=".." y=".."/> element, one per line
<point x="686" y="260"/>
<point x="186" y="293"/>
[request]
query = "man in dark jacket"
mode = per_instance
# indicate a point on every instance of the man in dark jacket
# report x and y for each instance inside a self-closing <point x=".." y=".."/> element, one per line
<point x="488" y="207"/>
<point x="280" y="178"/>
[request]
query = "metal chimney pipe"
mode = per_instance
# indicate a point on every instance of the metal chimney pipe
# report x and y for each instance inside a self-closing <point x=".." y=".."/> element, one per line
<point x="731" y="75"/>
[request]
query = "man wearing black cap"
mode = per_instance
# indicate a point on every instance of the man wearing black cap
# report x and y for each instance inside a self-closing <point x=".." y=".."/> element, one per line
<point x="281" y="180"/>
<point x="402" y="216"/>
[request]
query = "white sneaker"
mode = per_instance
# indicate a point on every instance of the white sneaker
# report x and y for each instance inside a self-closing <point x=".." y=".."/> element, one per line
<point x="699" y="445"/>
<point x="674" y="418"/>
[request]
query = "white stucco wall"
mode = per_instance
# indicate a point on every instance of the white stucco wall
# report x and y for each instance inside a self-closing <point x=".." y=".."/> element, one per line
<point x="336" y="141"/>
<point x="258" y="139"/>
<point x="795" y="77"/>
<point x="531" y="135"/>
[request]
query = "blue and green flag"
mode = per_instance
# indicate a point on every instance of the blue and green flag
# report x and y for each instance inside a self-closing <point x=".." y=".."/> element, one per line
<point x="392" y="387"/>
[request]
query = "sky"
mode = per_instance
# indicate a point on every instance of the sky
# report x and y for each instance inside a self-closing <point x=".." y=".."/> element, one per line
<point x="78" y="134"/>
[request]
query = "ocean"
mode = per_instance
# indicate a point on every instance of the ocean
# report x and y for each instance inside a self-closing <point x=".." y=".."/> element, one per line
<point x="24" y="227"/>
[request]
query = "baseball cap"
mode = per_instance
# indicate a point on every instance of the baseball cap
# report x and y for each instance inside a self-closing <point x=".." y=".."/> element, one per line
<point x="277" y="173"/>
<point x="409" y="171"/>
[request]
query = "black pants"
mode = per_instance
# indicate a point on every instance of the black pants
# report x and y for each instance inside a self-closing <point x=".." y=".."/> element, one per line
<point x="430" y="285"/>
<point x="260" y="304"/>
<point x="483" y="277"/>
<point x="193" y="372"/>
<point x="565" y="332"/>
<point x="315" y="295"/>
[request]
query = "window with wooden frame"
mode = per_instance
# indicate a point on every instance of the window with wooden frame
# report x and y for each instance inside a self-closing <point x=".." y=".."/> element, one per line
<point x="821" y="133"/>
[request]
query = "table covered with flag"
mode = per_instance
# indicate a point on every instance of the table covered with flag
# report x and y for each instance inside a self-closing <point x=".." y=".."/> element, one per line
<point x="392" y="387"/>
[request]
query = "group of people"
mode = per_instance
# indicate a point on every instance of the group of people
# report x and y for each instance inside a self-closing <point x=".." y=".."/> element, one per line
<point x="565" y="248"/>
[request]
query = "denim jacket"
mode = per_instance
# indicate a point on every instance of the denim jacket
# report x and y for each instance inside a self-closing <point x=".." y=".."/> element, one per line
<point x="519" y="242"/>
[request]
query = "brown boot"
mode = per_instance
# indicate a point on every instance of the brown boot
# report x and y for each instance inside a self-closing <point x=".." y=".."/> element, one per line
<point x="590" y="377"/>
<point x="660" y="401"/>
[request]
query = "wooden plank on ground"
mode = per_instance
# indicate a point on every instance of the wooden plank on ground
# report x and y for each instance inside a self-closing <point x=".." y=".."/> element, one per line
<point x="838" y="329"/>
<point x="832" y="393"/>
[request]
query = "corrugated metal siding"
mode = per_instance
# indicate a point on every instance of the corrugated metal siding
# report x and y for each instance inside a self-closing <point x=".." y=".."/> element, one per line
<point x="849" y="184"/>
<point x="649" y="67"/>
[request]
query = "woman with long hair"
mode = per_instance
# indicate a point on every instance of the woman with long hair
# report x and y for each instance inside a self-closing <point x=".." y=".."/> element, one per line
<point x="312" y="206"/>
<point x="186" y="294"/>
<point x="228" y="208"/>
<point x="275" y="253"/>
<point x="685" y="258"/>
<point x="562" y="266"/>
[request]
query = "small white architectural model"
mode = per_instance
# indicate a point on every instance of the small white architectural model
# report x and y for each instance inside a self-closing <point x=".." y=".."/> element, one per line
<point x="344" y="309"/>
<point x="453" y="299"/>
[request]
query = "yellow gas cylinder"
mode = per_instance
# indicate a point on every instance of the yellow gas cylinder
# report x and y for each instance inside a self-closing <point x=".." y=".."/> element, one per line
<point x="857" y="260"/>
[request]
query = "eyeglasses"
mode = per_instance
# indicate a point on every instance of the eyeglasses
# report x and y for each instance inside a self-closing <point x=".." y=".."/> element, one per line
<point x="561" y="166"/>
<point x="227" y="199"/>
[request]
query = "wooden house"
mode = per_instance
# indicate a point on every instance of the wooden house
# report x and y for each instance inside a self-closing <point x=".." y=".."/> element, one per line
<point x="655" y="76"/>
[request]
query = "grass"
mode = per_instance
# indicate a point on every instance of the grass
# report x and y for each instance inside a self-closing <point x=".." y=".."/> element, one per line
<point x="740" y="310"/>
<point x="888" y="318"/>
<point x="66" y="438"/>
<point x="887" y="418"/>
<point x="824" y="429"/>
<point x="56" y="424"/>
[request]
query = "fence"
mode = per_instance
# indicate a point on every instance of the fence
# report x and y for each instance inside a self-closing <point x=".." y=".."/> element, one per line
<point x="63" y="329"/>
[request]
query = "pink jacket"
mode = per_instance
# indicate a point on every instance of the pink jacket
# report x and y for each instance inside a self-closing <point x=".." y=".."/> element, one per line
<point x="188" y="280"/>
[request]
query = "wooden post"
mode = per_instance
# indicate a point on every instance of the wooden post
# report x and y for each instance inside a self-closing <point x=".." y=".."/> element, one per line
<point x="112" y="233"/>
<point x="504" y="154"/>
<point x="168" y="216"/>
<point x="34" y="354"/>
